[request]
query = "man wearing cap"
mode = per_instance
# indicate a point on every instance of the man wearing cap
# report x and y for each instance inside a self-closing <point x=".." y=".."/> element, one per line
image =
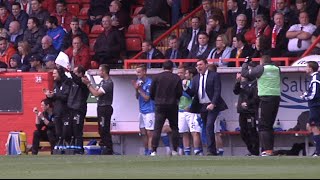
<point x="36" y="64"/>
<point x="48" y="60"/>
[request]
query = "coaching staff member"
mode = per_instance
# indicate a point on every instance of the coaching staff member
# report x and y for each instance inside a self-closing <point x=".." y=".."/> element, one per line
<point x="207" y="100"/>
<point x="166" y="90"/>
<point x="104" y="110"/>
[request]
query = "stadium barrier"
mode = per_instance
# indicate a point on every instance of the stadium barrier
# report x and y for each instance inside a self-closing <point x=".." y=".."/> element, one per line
<point x="130" y="63"/>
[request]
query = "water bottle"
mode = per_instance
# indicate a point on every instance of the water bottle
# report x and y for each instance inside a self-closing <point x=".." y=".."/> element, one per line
<point x="223" y="124"/>
<point x="114" y="124"/>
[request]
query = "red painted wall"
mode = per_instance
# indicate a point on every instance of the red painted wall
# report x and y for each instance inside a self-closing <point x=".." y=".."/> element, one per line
<point x="32" y="85"/>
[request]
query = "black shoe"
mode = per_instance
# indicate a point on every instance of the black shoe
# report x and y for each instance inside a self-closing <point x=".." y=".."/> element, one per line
<point x="211" y="154"/>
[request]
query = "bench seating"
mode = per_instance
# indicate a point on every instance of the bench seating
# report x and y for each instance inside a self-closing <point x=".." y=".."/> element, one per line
<point x="304" y="134"/>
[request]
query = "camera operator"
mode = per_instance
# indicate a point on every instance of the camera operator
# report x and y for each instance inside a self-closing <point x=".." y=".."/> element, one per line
<point x="268" y="78"/>
<point x="45" y="126"/>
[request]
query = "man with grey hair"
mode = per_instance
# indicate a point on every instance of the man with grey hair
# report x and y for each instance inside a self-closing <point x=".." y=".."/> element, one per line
<point x="15" y="33"/>
<point x="47" y="47"/>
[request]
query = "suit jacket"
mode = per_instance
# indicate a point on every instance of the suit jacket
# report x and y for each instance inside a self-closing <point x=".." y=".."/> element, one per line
<point x="232" y="16"/>
<point x="261" y="10"/>
<point x="281" y="43"/>
<point x="186" y="38"/>
<point x="214" y="11"/>
<point x="156" y="55"/>
<point x="246" y="51"/>
<point x="194" y="51"/>
<point x="181" y="54"/>
<point x="213" y="90"/>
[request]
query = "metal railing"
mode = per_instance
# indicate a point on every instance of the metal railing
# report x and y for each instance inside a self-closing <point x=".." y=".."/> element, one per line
<point x="131" y="63"/>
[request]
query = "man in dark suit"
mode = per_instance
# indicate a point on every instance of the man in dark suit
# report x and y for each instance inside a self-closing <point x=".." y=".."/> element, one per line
<point x="207" y="100"/>
<point x="203" y="49"/>
<point x="254" y="10"/>
<point x="233" y="12"/>
<point x="165" y="91"/>
<point x="174" y="52"/>
<point x="189" y="38"/>
<point x="150" y="52"/>
<point x="279" y="41"/>
<point x="241" y="49"/>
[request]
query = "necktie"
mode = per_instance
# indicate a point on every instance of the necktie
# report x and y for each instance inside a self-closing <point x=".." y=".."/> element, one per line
<point x="239" y="53"/>
<point x="200" y="50"/>
<point x="194" y="42"/>
<point x="173" y="54"/>
<point x="238" y="31"/>
<point x="202" y="87"/>
<point x="253" y="17"/>
<point x="300" y="40"/>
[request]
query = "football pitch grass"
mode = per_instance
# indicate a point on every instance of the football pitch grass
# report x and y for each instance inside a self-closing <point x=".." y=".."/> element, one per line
<point x="160" y="167"/>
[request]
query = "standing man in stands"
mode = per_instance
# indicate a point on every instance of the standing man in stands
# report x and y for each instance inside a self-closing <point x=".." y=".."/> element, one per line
<point x="105" y="93"/>
<point x="146" y="106"/>
<point x="268" y="76"/>
<point x="166" y="90"/>
<point x="313" y="98"/>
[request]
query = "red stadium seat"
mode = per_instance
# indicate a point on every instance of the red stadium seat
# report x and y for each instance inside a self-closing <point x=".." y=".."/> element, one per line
<point x="135" y="11"/>
<point x="134" y="37"/>
<point x="133" y="43"/>
<point x="94" y="65"/>
<point x="72" y="1"/>
<point x="83" y="14"/>
<point x="73" y="9"/>
<point x="91" y="43"/>
<point x="85" y="1"/>
<point x="95" y="31"/>
<point x="86" y="5"/>
<point x="85" y="28"/>
<point x="136" y="29"/>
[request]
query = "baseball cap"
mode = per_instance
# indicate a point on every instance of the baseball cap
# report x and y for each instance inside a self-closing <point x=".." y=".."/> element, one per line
<point x="49" y="57"/>
<point x="35" y="57"/>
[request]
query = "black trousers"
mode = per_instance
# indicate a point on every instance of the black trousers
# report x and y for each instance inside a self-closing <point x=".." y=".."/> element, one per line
<point x="209" y="117"/>
<point x="104" y="117"/>
<point x="268" y="110"/>
<point x="43" y="135"/>
<point x="77" y="122"/>
<point x="162" y="113"/>
<point x="249" y="133"/>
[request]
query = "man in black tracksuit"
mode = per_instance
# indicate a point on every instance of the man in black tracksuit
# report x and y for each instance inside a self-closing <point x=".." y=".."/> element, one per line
<point x="45" y="126"/>
<point x="77" y="103"/>
<point x="166" y="90"/>
<point x="59" y="96"/>
<point x="247" y="108"/>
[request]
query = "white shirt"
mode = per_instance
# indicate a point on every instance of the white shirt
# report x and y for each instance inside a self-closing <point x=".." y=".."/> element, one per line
<point x="292" y="45"/>
<point x="190" y="43"/>
<point x="206" y="98"/>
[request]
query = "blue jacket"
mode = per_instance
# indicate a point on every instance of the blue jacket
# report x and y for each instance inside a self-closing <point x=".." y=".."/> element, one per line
<point x="57" y="36"/>
<point x="313" y="93"/>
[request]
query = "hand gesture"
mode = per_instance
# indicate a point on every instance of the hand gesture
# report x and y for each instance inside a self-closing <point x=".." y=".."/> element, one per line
<point x="238" y="76"/>
<point x="210" y="107"/>
<point x="135" y="84"/>
<point x="85" y="80"/>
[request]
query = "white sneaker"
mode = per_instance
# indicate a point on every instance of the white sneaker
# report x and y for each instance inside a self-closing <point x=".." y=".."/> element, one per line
<point x="153" y="153"/>
<point x="174" y="153"/>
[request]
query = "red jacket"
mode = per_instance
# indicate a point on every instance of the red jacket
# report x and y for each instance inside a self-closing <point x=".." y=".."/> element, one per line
<point x="82" y="58"/>
<point x="251" y="35"/>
